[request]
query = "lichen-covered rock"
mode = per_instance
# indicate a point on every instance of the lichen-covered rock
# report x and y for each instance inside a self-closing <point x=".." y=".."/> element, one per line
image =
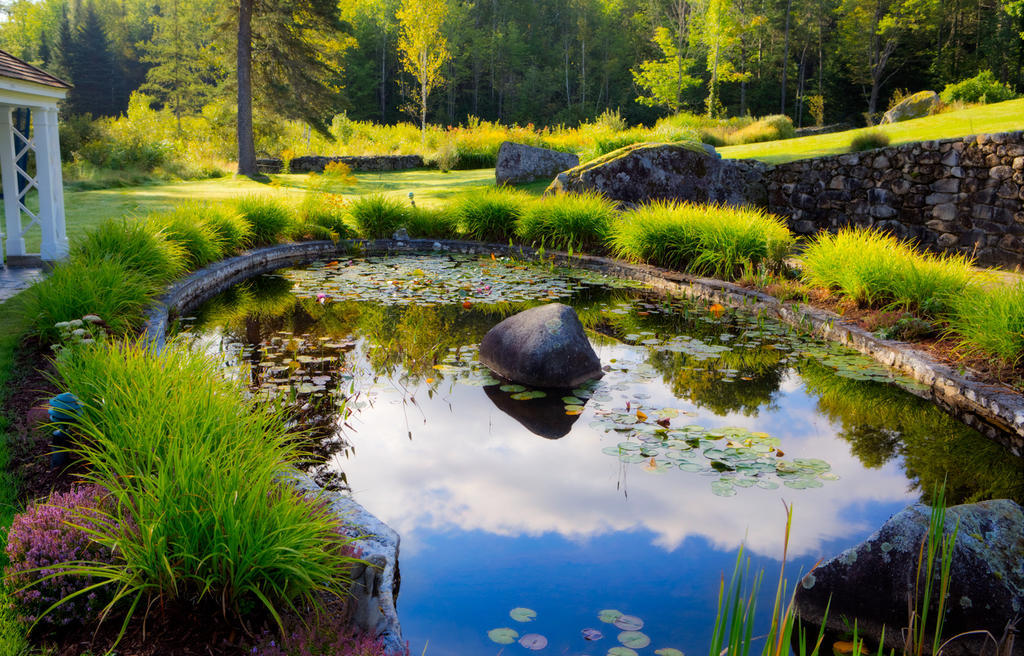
<point x="873" y="581"/>
<point x="518" y="163"/>
<point x="668" y="171"/>
<point x="544" y="346"/>
<point x="918" y="105"/>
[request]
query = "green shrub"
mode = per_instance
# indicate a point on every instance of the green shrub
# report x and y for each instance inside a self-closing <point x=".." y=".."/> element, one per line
<point x="703" y="239"/>
<point x="185" y="226"/>
<point x="982" y="88"/>
<point x="491" y="214"/>
<point x="194" y="465"/>
<point x="232" y="231"/>
<point x="431" y="223"/>
<point x="990" y="322"/>
<point x="270" y="218"/>
<point x="378" y="216"/>
<point x="578" y="221"/>
<point x="873" y="268"/>
<point x="325" y="211"/>
<point x="105" y="286"/>
<point x="868" y="140"/>
<point x="138" y="245"/>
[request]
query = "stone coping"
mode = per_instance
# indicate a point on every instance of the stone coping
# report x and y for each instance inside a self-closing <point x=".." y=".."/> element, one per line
<point x="995" y="410"/>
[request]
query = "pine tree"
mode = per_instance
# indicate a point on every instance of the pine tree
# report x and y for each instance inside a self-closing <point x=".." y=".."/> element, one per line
<point x="97" y="80"/>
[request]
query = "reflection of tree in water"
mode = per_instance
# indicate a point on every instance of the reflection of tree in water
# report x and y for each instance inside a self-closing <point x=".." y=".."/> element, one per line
<point x="881" y="423"/>
<point x="742" y="379"/>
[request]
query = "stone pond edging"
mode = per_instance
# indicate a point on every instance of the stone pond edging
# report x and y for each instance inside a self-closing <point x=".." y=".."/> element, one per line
<point x="994" y="410"/>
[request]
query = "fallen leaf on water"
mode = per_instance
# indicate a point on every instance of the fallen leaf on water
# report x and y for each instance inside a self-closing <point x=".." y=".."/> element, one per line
<point x="641" y="415"/>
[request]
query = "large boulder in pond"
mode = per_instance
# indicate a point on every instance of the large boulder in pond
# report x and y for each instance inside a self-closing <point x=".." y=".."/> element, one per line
<point x="873" y="581"/>
<point x="920" y="104"/>
<point x="519" y="163"/>
<point x="544" y="417"/>
<point x="544" y="346"/>
<point x="666" y="171"/>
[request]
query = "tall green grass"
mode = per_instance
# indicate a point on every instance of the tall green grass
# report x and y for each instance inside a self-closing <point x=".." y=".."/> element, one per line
<point x="703" y="239"/>
<point x="140" y="246"/>
<point x="873" y="268"/>
<point x="581" y="222"/>
<point x="201" y="515"/>
<point x="232" y="231"/>
<point x="990" y="322"/>
<point x="102" y="286"/>
<point x="490" y="214"/>
<point x="378" y="216"/>
<point x="431" y="223"/>
<point x="326" y="211"/>
<point x="184" y="225"/>
<point x="270" y="218"/>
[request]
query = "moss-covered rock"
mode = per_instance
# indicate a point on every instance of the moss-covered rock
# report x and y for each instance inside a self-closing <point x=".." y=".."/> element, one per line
<point x="915" y="106"/>
<point x="669" y="171"/>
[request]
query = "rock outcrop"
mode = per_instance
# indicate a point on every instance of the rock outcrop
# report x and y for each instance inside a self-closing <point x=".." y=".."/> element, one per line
<point x="544" y="346"/>
<point x="873" y="581"/>
<point x="518" y="163"/>
<point x="915" y="106"/>
<point x="667" y="171"/>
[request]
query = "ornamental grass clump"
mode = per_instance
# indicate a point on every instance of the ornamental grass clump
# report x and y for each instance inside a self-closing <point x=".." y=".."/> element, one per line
<point x="270" y="218"/>
<point x="490" y="214"/>
<point x="423" y="223"/>
<point x="712" y="240"/>
<point x="876" y="269"/>
<point x="104" y="286"/>
<point x="199" y="515"/>
<point x="43" y="537"/>
<point x="868" y="140"/>
<point x="138" y="245"/>
<point x="184" y="225"/>
<point x="581" y="222"/>
<point x="990" y="322"/>
<point x="323" y="214"/>
<point x="378" y="216"/>
<point x="232" y="231"/>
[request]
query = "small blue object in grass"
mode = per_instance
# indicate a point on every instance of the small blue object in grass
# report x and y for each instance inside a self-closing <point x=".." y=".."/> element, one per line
<point x="64" y="409"/>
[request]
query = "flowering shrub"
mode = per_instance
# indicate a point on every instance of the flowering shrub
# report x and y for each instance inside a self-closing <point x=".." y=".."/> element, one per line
<point x="40" y="539"/>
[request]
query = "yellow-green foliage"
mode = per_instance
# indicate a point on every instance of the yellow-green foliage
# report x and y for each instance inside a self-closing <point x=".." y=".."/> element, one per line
<point x="868" y="140"/>
<point x="704" y="239"/>
<point x="568" y="221"/>
<point x="991" y="322"/>
<point x="490" y="214"/>
<point x="139" y="245"/>
<point x="875" y="268"/>
<point x="184" y="225"/>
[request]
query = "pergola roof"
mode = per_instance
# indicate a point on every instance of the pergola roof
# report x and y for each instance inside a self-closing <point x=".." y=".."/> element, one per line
<point x="15" y="69"/>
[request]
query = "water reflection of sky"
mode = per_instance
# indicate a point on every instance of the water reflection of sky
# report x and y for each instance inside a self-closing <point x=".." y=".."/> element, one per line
<point x="493" y="517"/>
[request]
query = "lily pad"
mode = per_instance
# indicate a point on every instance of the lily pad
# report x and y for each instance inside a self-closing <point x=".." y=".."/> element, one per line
<point x="533" y="641"/>
<point x="629" y="623"/>
<point x="522" y="614"/>
<point x="529" y="395"/>
<point x="592" y="634"/>
<point x="634" y="639"/>
<point x="503" y="636"/>
<point x="621" y="651"/>
<point x="668" y="651"/>
<point x="608" y="616"/>
<point x="512" y="388"/>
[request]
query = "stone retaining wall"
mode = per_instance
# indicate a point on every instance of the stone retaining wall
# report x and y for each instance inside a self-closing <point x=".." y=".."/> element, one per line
<point x="964" y="195"/>
<point x="369" y="163"/>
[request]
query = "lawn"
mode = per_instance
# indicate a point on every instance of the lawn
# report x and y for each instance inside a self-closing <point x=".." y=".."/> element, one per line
<point x="999" y="117"/>
<point x="85" y="209"/>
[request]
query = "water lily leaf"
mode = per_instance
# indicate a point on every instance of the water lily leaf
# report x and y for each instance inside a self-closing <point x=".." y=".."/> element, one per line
<point x="533" y="641"/>
<point x="621" y="651"/>
<point x="503" y="636"/>
<point x="634" y="639"/>
<point x="574" y="409"/>
<point x="522" y="614"/>
<point x="531" y="394"/>
<point x="629" y="623"/>
<point x="572" y="400"/>
<point x="609" y="615"/>
<point x="723" y="488"/>
<point x="512" y="388"/>
<point x="668" y="651"/>
<point x="592" y="634"/>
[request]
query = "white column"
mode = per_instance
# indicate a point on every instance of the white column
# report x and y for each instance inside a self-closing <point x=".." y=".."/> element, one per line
<point x="15" y="242"/>
<point x="50" y="193"/>
<point x="58" y="186"/>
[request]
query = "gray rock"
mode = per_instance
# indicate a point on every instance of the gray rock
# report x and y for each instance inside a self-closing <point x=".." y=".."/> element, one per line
<point x="518" y="163"/>
<point x="873" y="581"/>
<point x="544" y="346"/>
<point x="676" y="171"/>
<point x="916" y="106"/>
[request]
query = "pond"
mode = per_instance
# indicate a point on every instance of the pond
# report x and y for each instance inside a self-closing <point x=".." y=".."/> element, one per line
<point x="543" y="511"/>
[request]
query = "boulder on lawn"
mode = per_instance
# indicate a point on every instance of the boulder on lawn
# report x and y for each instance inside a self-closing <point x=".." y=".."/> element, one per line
<point x="666" y="171"/>
<point x="920" y="104"/>
<point x="873" y="581"/>
<point x="544" y="346"/>
<point x="518" y="163"/>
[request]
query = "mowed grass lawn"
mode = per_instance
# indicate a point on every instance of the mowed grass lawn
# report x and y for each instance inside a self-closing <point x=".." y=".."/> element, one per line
<point x="85" y="209"/>
<point x="999" y="117"/>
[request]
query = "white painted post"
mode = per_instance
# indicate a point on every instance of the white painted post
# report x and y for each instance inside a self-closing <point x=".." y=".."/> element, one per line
<point x="50" y="193"/>
<point x="15" y="242"/>
<point x="58" y="183"/>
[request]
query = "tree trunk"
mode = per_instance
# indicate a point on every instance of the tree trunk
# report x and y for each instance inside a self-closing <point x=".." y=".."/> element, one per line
<point x="246" y="142"/>
<point x="383" y="74"/>
<point x="785" y="56"/>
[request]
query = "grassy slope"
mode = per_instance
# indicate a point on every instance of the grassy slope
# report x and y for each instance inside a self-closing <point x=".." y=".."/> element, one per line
<point x="1000" y="117"/>
<point x="85" y="209"/>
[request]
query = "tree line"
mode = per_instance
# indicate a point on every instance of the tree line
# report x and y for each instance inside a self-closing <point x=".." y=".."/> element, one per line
<point x="517" y="61"/>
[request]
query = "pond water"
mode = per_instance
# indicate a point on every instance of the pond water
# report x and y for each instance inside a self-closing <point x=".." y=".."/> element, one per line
<point x="630" y="494"/>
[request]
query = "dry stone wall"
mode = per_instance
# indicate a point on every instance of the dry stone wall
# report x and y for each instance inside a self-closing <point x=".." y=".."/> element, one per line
<point x="317" y="163"/>
<point x="964" y="195"/>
